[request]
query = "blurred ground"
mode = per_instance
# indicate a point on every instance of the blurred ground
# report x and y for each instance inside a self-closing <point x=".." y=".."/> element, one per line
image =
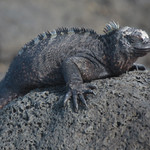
<point x="22" y="20"/>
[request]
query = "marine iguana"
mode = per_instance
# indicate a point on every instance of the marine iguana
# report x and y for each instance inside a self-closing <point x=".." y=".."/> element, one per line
<point x="73" y="56"/>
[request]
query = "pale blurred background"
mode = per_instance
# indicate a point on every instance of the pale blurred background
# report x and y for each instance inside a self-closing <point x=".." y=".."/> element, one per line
<point x="22" y="20"/>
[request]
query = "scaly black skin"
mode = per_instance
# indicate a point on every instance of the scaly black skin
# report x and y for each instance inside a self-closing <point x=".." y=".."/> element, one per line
<point x="73" y="56"/>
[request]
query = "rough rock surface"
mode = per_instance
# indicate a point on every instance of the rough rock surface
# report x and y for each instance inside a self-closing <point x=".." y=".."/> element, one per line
<point x="118" y="117"/>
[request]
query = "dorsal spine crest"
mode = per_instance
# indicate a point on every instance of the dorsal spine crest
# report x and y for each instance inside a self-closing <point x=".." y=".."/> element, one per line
<point x="58" y="32"/>
<point x="110" y="27"/>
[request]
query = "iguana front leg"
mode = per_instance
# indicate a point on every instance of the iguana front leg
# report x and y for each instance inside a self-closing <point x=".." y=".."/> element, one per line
<point x="76" y="70"/>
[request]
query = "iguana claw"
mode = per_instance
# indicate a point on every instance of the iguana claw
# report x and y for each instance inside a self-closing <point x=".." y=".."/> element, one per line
<point x="77" y="92"/>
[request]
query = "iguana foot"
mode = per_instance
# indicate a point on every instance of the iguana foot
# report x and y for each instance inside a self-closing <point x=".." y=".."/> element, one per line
<point x="77" y="91"/>
<point x="137" y="67"/>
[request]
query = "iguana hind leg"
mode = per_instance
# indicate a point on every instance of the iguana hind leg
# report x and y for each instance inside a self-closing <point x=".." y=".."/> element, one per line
<point x="137" y="67"/>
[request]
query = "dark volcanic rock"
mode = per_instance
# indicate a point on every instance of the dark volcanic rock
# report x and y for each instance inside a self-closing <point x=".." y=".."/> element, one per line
<point x="118" y="117"/>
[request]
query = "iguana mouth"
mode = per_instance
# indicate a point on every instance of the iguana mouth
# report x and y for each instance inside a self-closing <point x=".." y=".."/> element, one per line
<point x="142" y="48"/>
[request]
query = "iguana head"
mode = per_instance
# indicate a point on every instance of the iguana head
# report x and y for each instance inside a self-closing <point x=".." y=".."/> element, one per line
<point x="124" y="45"/>
<point x="137" y="40"/>
<point x="128" y="40"/>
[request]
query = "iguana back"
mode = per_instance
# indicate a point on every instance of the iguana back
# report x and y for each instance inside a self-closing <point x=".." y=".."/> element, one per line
<point x="70" y="56"/>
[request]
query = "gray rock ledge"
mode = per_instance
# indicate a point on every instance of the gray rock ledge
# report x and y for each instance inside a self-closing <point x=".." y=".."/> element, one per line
<point x="118" y="117"/>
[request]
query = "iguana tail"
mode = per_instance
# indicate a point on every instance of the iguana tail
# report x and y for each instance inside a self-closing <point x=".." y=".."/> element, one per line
<point x="6" y="95"/>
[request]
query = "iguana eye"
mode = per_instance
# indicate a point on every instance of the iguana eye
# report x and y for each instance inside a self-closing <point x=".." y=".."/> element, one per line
<point x="132" y="40"/>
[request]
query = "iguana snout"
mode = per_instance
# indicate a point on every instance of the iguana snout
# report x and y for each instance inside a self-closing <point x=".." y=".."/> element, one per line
<point x="138" y="39"/>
